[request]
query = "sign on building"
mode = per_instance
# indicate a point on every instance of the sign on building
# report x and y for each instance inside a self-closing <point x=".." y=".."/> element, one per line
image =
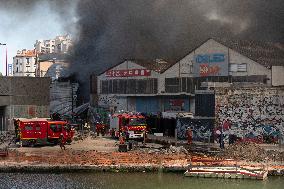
<point x="215" y="64"/>
<point x="128" y="73"/>
<point x="10" y="70"/>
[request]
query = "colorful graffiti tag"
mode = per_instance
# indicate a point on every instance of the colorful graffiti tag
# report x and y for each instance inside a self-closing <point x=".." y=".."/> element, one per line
<point x="250" y="114"/>
<point x="202" y="129"/>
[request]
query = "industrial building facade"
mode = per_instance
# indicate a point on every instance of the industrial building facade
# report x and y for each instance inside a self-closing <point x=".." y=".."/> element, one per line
<point x="158" y="86"/>
<point x="190" y="84"/>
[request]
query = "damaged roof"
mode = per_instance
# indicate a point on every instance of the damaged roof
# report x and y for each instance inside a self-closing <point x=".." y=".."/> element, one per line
<point x="265" y="53"/>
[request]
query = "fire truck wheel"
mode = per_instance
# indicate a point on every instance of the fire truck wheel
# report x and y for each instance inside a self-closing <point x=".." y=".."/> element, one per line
<point x="32" y="143"/>
<point x="69" y="141"/>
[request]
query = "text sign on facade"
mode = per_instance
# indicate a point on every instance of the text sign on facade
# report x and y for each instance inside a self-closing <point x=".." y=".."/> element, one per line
<point x="10" y="70"/>
<point x="128" y="73"/>
<point x="215" y="64"/>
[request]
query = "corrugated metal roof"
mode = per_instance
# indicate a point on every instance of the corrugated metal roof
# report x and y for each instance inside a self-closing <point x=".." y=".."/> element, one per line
<point x="157" y="65"/>
<point x="265" y="53"/>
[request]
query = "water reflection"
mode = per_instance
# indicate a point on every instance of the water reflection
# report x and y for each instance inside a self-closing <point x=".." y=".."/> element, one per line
<point x="129" y="180"/>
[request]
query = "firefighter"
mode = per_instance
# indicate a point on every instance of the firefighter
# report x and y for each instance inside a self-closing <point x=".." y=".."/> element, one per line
<point x="189" y="136"/>
<point x="62" y="142"/>
<point x="122" y="138"/>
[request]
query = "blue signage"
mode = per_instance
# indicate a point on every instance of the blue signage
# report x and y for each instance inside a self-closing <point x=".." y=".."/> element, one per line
<point x="210" y="58"/>
<point x="10" y="69"/>
<point x="211" y="64"/>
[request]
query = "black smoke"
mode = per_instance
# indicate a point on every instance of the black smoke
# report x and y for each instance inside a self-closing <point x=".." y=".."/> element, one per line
<point x="113" y="30"/>
<point x="110" y="31"/>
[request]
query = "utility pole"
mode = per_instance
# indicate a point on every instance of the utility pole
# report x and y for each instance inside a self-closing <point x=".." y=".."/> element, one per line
<point x="72" y="103"/>
<point x="6" y="62"/>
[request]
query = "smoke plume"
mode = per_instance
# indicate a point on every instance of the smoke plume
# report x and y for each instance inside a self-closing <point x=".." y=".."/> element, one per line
<point x="113" y="30"/>
<point x="109" y="31"/>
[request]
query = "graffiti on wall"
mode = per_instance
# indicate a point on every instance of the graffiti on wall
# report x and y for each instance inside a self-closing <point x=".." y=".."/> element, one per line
<point x="250" y="114"/>
<point x="202" y="129"/>
<point x="22" y="111"/>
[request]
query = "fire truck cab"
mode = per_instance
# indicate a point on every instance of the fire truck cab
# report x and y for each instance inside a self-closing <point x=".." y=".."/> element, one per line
<point x="31" y="132"/>
<point x="133" y="126"/>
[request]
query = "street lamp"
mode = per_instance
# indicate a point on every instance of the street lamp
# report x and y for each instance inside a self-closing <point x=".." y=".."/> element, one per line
<point x="6" y="56"/>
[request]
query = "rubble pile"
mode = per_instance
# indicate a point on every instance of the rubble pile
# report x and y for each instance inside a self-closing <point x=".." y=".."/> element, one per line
<point x="274" y="155"/>
<point x="6" y="138"/>
<point x="91" y="157"/>
<point x="245" y="151"/>
<point x="170" y="150"/>
<point x="80" y="136"/>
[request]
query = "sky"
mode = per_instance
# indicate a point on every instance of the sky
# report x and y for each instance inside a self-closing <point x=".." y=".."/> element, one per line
<point x="21" y="25"/>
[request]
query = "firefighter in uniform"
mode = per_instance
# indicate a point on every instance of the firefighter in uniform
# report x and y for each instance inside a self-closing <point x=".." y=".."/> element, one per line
<point x="189" y="136"/>
<point x="62" y="142"/>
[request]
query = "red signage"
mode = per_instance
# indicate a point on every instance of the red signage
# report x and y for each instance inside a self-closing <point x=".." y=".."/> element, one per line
<point x="207" y="70"/>
<point x="176" y="102"/>
<point x="128" y="73"/>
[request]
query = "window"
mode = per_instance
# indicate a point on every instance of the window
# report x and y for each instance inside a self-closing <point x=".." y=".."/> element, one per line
<point x="129" y="86"/>
<point x="28" y="128"/>
<point x="238" y="67"/>
<point x="38" y="128"/>
<point x="59" y="128"/>
<point x="28" y="61"/>
<point x="172" y="85"/>
<point x="17" y="61"/>
<point x="53" y="127"/>
<point x="233" y="68"/>
<point x="242" y="67"/>
<point x="137" y="121"/>
<point x="17" y="70"/>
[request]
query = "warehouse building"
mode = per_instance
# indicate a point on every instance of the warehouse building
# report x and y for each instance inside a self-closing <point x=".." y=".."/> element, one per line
<point x="190" y="84"/>
<point x="159" y="86"/>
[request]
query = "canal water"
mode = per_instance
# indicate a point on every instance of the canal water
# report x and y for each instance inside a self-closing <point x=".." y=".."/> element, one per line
<point x="130" y="180"/>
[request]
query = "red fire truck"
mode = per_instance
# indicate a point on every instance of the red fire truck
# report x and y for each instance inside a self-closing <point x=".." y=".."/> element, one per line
<point x="31" y="132"/>
<point x="134" y="126"/>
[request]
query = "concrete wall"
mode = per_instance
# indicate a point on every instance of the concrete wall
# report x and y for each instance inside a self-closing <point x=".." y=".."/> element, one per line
<point x="42" y="68"/>
<point x="255" y="114"/>
<point x="24" y="97"/>
<point x="277" y="75"/>
<point x="24" y="91"/>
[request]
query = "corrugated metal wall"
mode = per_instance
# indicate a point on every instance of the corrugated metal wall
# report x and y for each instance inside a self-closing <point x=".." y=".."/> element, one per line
<point x="147" y="104"/>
